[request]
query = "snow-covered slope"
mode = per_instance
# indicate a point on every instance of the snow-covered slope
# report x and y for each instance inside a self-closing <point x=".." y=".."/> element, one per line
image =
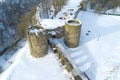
<point x="28" y="68"/>
<point x="100" y="41"/>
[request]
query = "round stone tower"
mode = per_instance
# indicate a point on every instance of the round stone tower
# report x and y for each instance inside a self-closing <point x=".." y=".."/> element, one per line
<point x="72" y="33"/>
<point x="37" y="39"/>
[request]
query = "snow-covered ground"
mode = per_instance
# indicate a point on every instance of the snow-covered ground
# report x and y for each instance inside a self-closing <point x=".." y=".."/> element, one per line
<point x="9" y="57"/>
<point x="28" y="68"/>
<point x="100" y="42"/>
<point x="68" y="11"/>
<point x="48" y="23"/>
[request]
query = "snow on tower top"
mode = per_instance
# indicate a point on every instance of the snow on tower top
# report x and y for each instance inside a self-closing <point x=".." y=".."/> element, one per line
<point x="35" y="30"/>
<point x="73" y="22"/>
<point x="52" y="24"/>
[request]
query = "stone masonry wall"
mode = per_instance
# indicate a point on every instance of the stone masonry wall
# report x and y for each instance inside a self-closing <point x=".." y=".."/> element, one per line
<point x="72" y="34"/>
<point x="38" y="44"/>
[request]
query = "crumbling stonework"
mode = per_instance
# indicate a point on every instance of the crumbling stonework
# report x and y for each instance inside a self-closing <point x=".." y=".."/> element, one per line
<point x="38" y="37"/>
<point x="72" y="33"/>
<point x="38" y="44"/>
<point x="56" y="33"/>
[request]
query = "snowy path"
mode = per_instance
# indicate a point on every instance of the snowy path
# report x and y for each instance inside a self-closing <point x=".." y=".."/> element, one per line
<point x="69" y="11"/>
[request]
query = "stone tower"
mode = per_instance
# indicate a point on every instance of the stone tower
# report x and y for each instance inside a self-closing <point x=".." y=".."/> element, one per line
<point x="72" y="33"/>
<point x="37" y="39"/>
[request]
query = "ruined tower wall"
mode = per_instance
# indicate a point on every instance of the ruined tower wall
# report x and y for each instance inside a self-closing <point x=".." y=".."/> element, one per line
<point x="72" y="33"/>
<point x="37" y="43"/>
